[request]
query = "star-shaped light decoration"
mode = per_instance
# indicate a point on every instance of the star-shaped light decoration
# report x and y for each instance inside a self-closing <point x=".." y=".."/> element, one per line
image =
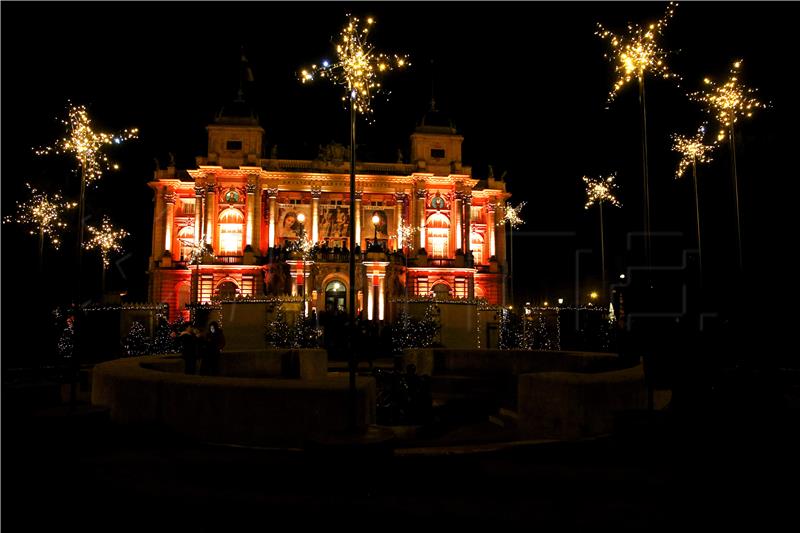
<point x="87" y="144"/>
<point x="106" y="238"/>
<point x="601" y="189"/>
<point x="42" y="213"/>
<point x="692" y="149"/>
<point x="511" y="216"/>
<point x="729" y="101"/>
<point x="358" y="67"/>
<point x="638" y="51"/>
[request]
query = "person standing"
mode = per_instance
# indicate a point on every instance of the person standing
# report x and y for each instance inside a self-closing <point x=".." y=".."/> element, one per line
<point x="214" y="343"/>
<point x="189" y="347"/>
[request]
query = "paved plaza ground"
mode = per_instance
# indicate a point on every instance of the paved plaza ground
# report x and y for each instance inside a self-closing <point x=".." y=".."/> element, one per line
<point x="710" y="467"/>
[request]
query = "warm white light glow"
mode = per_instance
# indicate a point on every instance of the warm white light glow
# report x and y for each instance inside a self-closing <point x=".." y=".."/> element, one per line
<point x="637" y="52"/>
<point x="86" y="144"/>
<point x="358" y="66"/>
<point x="729" y="101"/>
<point x="42" y="213"/>
<point x="692" y="149"/>
<point x="601" y="190"/>
<point x="106" y="238"/>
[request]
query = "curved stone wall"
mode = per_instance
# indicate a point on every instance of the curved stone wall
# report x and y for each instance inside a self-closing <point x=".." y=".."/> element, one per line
<point x="262" y="411"/>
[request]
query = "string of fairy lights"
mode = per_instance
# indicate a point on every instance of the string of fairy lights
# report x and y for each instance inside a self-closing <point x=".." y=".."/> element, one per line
<point x="692" y="149"/>
<point x="86" y="144"/>
<point x="638" y="51"/>
<point x="728" y="101"/>
<point x="358" y="67"/>
<point x="43" y="213"/>
<point x="601" y="189"/>
<point x="106" y="239"/>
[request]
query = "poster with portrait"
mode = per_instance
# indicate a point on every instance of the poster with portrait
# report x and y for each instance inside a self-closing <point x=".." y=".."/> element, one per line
<point x="334" y="222"/>
<point x="385" y="225"/>
<point x="288" y="225"/>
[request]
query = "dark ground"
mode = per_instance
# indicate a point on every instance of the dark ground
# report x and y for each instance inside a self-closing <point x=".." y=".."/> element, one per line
<point x="717" y="465"/>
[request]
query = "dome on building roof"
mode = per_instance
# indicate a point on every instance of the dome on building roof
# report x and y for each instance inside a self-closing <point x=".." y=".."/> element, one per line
<point x="434" y="121"/>
<point x="237" y="112"/>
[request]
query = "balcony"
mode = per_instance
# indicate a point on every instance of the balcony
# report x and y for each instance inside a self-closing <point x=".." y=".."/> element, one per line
<point x="228" y="260"/>
<point x="441" y="262"/>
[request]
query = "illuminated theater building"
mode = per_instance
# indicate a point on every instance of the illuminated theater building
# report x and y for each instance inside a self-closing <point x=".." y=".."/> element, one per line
<point x="253" y="210"/>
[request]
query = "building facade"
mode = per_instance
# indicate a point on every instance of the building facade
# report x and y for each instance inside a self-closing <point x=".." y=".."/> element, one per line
<point x="281" y="227"/>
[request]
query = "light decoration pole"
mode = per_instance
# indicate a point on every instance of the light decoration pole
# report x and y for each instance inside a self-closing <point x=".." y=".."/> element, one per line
<point x="728" y="102"/>
<point x="634" y="55"/>
<point x="405" y="240"/>
<point x="512" y="218"/>
<point x="42" y="213"/>
<point x="86" y="145"/>
<point x="693" y="151"/>
<point x="106" y="239"/>
<point x="357" y="70"/>
<point x="304" y="246"/>
<point x="599" y="190"/>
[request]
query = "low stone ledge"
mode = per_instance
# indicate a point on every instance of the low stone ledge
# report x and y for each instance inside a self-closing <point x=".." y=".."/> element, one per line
<point x="570" y="405"/>
<point x="432" y="361"/>
<point x="253" y="411"/>
<point x="302" y="364"/>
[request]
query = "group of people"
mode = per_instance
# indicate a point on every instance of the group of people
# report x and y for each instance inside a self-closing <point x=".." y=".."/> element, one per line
<point x="203" y="347"/>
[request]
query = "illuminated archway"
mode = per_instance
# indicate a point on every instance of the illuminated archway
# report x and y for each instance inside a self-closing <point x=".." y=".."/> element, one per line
<point x="231" y="230"/>
<point x="437" y="232"/>
<point x="476" y="245"/>
<point x="441" y="291"/>
<point x="227" y="289"/>
<point x="185" y="238"/>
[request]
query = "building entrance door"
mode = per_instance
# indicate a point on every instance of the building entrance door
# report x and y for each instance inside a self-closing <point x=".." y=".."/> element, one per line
<point x="335" y="296"/>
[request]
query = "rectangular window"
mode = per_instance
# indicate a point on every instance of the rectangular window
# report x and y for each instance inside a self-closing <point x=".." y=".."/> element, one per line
<point x="187" y="206"/>
<point x="233" y="145"/>
<point x="437" y="153"/>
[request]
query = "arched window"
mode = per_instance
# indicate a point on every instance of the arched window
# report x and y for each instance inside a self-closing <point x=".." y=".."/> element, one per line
<point x="437" y="231"/>
<point x="441" y="291"/>
<point x="227" y="290"/>
<point x="476" y="245"/>
<point x="231" y="228"/>
<point x="185" y="237"/>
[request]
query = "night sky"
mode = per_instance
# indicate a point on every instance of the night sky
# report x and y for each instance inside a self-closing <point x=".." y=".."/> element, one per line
<point x="525" y="83"/>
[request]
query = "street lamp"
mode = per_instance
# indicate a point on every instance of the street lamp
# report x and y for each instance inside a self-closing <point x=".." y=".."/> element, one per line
<point x="375" y="220"/>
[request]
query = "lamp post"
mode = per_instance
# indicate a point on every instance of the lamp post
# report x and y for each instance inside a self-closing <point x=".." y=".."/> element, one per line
<point x="301" y="218"/>
<point x="375" y="221"/>
<point x="357" y="70"/>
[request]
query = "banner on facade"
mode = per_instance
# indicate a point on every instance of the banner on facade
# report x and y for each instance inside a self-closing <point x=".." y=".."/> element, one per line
<point x="385" y="222"/>
<point x="288" y="226"/>
<point x="334" y="222"/>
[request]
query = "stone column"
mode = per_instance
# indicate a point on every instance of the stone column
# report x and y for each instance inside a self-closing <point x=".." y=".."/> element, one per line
<point x="257" y="219"/>
<point x="210" y="214"/>
<point x="466" y="230"/>
<point x="500" y="235"/>
<point x="398" y="216"/>
<point x="272" y="194"/>
<point x="198" y="214"/>
<point x="381" y="306"/>
<point x="169" y="200"/>
<point x="457" y="218"/>
<point x="359" y="194"/>
<point x="316" y="192"/>
<point x="421" y="195"/>
<point x="159" y="219"/>
<point x="251" y="213"/>
<point x="490" y="209"/>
